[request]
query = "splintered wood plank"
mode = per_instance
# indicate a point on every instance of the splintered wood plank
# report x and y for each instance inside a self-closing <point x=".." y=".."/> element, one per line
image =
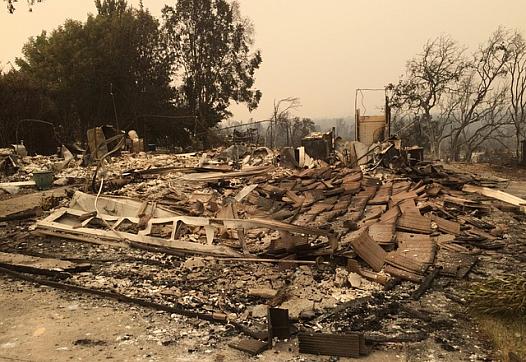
<point x="465" y="204"/>
<point x="481" y="234"/>
<point x="304" y="219"/>
<point x="417" y="185"/>
<point x="403" y="274"/>
<point x="401" y="187"/>
<point x="497" y="194"/>
<point x="475" y="222"/>
<point x="33" y="264"/>
<point x="216" y="176"/>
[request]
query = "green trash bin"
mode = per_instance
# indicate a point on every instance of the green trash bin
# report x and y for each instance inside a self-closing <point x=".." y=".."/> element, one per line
<point x="43" y="179"/>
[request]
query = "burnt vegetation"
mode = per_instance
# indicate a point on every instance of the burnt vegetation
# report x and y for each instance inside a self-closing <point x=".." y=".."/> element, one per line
<point x="457" y="104"/>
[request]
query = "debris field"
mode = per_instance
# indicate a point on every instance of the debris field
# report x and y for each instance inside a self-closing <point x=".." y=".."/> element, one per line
<point x="332" y="259"/>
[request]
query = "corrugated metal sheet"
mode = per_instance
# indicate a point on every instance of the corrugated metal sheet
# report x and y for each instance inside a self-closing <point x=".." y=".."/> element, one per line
<point x="348" y="345"/>
<point x="382" y="232"/>
<point x="414" y="223"/>
<point x="447" y="226"/>
<point x="369" y="250"/>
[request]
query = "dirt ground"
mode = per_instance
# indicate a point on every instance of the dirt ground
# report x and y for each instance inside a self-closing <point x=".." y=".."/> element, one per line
<point x="510" y="172"/>
<point x="43" y="324"/>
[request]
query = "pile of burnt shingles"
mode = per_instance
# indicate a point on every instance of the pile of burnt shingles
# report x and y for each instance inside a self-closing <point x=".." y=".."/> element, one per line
<point x="419" y="229"/>
<point x="313" y="198"/>
<point x="399" y="228"/>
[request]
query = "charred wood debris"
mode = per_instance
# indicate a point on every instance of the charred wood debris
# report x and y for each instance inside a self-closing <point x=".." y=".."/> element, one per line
<point x="274" y="245"/>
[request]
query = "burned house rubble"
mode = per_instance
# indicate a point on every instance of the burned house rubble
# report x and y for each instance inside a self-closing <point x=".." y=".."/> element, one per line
<point x="308" y="247"/>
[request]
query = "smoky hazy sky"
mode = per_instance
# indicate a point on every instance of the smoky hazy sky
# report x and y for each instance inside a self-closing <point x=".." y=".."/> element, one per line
<point x="319" y="51"/>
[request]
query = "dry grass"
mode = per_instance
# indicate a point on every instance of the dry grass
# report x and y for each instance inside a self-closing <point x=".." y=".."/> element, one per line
<point x="503" y="295"/>
<point x="499" y="306"/>
<point x="508" y="334"/>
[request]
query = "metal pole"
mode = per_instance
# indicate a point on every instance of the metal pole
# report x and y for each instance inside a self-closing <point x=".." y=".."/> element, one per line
<point x="114" y="107"/>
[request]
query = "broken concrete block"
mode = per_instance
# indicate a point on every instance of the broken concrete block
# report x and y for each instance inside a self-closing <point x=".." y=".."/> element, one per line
<point x="340" y="279"/>
<point x="194" y="262"/>
<point x="296" y="306"/>
<point x="355" y="280"/>
<point x="262" y="292"/>
<point x="259" y="311"/>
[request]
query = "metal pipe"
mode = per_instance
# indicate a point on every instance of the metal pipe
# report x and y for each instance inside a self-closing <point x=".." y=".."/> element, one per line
<point x="260" y="260"/>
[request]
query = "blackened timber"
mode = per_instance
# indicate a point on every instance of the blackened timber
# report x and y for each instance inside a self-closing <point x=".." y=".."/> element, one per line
<point x="217" y="317"/>
<point x="426" y="283"/>
<point x="278" y="323"/>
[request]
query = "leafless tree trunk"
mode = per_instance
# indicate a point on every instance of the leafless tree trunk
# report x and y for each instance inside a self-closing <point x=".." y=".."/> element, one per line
<point x="429" y="77"/>
<point x="480" y="106"/>
<point x="516" y="69"/>
<point x="281" y="118"/>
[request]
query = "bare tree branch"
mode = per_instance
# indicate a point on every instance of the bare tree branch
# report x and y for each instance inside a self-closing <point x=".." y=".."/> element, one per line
<point x="429" y="77"/>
